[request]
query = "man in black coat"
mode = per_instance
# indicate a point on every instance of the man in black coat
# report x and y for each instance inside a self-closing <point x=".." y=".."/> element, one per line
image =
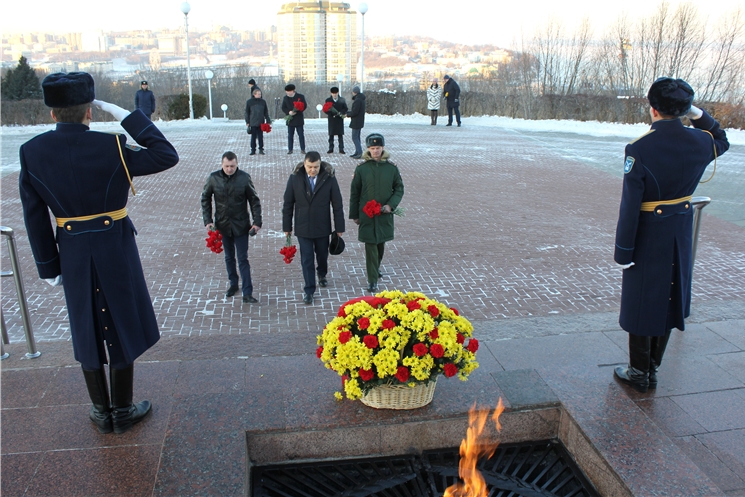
<point x="233" y="191"/>
<point x="256" y="114"/>
<point x="145" y="100"/>
<point x="451" y="92"/>
<point x="654" y="234"/>
<point x="312" y="187"/>
<point x="335" y="116"/>
<point x="357" y="113"/>
<point x="295" y="120"/>
<point x="83" y="177"/>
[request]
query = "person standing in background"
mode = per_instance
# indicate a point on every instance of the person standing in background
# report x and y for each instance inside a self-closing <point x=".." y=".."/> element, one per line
<point x="256" y="114"/>
<point x="145" y="100"/>
<point x="452" y="97"/>
<point x="433" y="101"/>
<point x="357" y="113"/>
<point x="335" y="116"/>
<point x="297" y="120"/>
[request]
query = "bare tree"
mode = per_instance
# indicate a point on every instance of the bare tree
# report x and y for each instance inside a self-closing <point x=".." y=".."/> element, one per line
<point x="724" y="76"/>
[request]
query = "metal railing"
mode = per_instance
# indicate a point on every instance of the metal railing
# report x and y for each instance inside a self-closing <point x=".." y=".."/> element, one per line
<point x="698" y="204"/>
<point x="15" y="272"/>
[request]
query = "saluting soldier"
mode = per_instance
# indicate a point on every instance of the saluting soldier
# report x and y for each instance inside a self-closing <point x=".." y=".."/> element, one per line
<point x="375" y="179"/>
<point x="84" y="178"/>
<point x="655" y="224"/>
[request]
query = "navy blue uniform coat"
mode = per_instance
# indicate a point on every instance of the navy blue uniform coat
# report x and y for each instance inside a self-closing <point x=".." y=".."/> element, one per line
<point x="73" y="172"/>
<point x="664" y="164"/>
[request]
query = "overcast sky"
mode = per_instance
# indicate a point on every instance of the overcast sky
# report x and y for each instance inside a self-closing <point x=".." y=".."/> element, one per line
<point x="467" y="21"/>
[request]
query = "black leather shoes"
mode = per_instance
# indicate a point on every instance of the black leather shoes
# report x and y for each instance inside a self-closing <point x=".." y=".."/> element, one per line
<point x="308" y="299"/>
<point x="355" y="156"/>
<point x="341" y="152"/>
<point x="261" y="151"/>
<point x="289" y="152"/>
<point x="331" y="151"/>
<point x="232" y="291"/>
<point x="253" y="152"/>
<point x="249" y="299"/>
<point x="372" y="287"/>
<point x="653" y="377"/>
<point x="323" y="282"/>
<point x="633" y="377"/>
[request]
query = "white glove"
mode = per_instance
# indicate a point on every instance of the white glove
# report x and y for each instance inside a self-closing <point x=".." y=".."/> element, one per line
<point x="694" y="113"/>
<point x="57" y="281"/>
<point x="116" y="111"/>
<point x="626" y="266"/>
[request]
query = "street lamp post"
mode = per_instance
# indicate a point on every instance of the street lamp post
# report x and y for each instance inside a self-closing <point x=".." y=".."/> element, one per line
<point x="340" y="80"/>
<point x="209" y="75"/>
<point x="224" y="109"/>
<point x="185" y="8"/>
<point x="363" y="11"/>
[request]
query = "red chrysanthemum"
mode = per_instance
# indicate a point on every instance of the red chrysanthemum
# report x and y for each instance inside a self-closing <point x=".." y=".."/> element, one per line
<point x="413" y="305"/>
<point x="436" y="350"/>
<point x="434" y="334"/>
<point x="450" y="370"/>
<point x="402" y="374"/>
<point x="370" y="341"/>
<point x="460" y="338"/>
<point x="345" y="336"/>
<point x="366" y="374"/>
<point x="473" y="345"/>
<point x="388" y="324"/>
<point x="419" y="349"/>
<point x="363" y="323"/>
<point x="319" y="351"/>
<point x="433" y="311"/>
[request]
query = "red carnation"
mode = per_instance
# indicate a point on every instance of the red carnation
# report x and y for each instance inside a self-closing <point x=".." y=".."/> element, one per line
<point x="433" y="311"/>
<point x="413" y="305"/>
<point x="342" y="313"/>
<point x="327" y="107"/>
<point x="372" y="208"/>
<point x="370" y="341"/>
<point x="455" y="311"/>
<point x="450" y="370"/>
<point x="345" y="336"/>
<point x="419" y="349"/>
<point x="388" y="324"/>
<point x="214" y="241"/>
<point x="363" y="323"/>
<point x="289" y="250"/>
<point x="319" y="351"/>
<point x="434" y="334"/>
<point x="366" y="374"/>
<point x="265" y="127"/>
<point x="299" y="106"/>
<point x="473" y="345"/>
<point x="402" y="374"/>
<point x="344" y="379"/>
<point x="460" y="338"/>
<point x="436" y="350"/>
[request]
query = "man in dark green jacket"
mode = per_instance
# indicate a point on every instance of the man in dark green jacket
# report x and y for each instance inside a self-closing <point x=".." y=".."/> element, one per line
<point x="377" y="189"/>
<point x="232" y="190"/>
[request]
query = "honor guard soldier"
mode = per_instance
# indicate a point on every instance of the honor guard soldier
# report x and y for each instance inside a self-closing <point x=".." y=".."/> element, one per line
<point x="654" y="234"/>
<point x="83" y="177"/>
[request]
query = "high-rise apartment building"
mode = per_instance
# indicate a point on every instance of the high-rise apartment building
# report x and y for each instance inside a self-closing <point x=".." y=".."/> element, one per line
<point x="317" y="41"/>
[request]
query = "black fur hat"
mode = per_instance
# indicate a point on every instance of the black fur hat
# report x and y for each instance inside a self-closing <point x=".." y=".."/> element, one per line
<point x="336" y="245"/>
<point x="334" y="89"/>
<point x="62" y="90"/>
<point x="290" y="87"/>
<point x="671" y="97"/>
<point x="375" y="140"/>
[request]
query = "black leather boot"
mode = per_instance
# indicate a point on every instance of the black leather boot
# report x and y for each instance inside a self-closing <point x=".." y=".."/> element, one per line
<point x="657" y="348"/>
<point x="636" y="375"/>
<point x="124" y="412"/>
<point x="98" y="391"/>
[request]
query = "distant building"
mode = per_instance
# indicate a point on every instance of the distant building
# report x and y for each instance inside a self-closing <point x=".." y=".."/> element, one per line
<point x="94" y="41"/>
<point x="317" y="41"/>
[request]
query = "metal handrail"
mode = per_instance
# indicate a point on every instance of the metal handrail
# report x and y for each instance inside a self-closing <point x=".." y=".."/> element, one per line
<point x="15" y="272"/>
<point x="698" y="204"/>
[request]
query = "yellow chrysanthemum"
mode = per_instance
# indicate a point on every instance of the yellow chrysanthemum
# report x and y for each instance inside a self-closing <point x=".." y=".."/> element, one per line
<point x="338" y="396"/>
<point x="352" y="389"/>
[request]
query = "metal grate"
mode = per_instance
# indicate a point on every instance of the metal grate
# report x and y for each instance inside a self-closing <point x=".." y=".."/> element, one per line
<point x="533" y="469"/>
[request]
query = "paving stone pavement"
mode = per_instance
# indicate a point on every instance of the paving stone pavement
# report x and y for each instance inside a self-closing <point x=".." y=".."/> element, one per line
<point x="498" y="223"/>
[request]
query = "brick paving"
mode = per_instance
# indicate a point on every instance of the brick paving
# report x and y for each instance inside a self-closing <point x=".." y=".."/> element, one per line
<point x="498" y="224"/>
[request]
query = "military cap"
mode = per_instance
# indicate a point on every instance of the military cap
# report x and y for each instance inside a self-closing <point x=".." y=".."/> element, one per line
<point x="671" y="97"/>
<point x="62" y="90"/>
<point x="375" y="140"/>
<point x="290" y="87"/>
<point x="336" y="245"/>
<point x="143" y="83"/>
<point x="334" y="89"/>
<point x="447" y="76"/>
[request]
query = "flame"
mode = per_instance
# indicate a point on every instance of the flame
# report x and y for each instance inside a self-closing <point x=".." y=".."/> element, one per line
<point x="472" y="448"/>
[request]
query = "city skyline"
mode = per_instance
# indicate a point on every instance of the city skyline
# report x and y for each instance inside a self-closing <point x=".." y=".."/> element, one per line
<point x="473" y="22"/>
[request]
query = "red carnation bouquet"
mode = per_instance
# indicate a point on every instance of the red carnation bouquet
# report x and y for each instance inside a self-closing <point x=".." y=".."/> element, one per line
<point x="214" y="240"/>
<point x="289" y="250"/>
<point x="266" y="127"/>
<point x="299" y="107"/>
<point x="372" y="209"/>
<point x="329" y="108"/>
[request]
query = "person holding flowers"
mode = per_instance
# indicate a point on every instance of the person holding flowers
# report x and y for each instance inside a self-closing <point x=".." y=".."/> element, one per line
<point x="293" y="106"/>
<point x="256" y="114"/>
<point x="311" y="189"/>
<point x="335" y="108"/>
<point x="376" y="184"/>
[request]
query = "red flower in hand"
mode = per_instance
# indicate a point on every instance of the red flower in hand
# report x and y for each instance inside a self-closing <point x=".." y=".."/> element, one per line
<point x="319" y="351"/>
<point x="372" y="208"/>
<point x="433" y="311"/>
<point x="419" y="349"/>
<point x="460" y="338"/>
<point x="366" y="374"/>
<point x="289" y="250"/>
<point x="363" y="323"/>
<point x="299" y="106"/>
<point x="402" y="374"/>
<point x="370" y="341"/>
<point x="450" y="370"/>
<point x="345" y="336"/>
<point x="473" y="345"/>
<point x="266" y="127"/>
<point x="214" y="241"/>
<point x="327" y="107"/>
<point x="437" y="350"/>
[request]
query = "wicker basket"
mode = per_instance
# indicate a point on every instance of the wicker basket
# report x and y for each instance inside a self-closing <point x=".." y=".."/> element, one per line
<point x="400" y="396"/>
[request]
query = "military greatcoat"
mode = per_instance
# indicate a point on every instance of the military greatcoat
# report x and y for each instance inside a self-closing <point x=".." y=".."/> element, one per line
<point x="665" y="164"/>
<point x="76" y="172"/>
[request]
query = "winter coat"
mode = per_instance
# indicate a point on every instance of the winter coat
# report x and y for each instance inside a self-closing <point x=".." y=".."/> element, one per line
<point x="380" y="181"/>
<point x="231" y="194"/>
<point x="664" y="164"/>
<point x="257" y="112"/>
<point x="311" y="210"/>
<point x="358" y="112"/>
<point x="336" y="120"/>
<point x="145" y="101"/>
<point x="451" y="91"/>
<point x="288" y="104"/>
<point x="433" y="97"/>
<point x="75" y="172"/>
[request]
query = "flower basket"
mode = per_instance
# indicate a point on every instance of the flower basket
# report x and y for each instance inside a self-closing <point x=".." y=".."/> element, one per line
<point x="400" y="396"/>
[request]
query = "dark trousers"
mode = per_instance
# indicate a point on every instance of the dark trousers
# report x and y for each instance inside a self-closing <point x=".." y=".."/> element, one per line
<point x="434" y="117"/>
<point x="238" y="245"/>
<point x="373" y="258"/>
<point x="257" y="134"/>
<point x="341" y="143"/>
<point x="291" y="136"/>
<point x="356" y="141"/>
<point x="456" y="108"/>
<point x="309" y="247"/>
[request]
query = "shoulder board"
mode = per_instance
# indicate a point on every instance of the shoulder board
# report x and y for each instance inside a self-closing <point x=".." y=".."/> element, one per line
<point x="642" y="136"/>
<point x="392" y="164"/>
<point x="133" y="148"/>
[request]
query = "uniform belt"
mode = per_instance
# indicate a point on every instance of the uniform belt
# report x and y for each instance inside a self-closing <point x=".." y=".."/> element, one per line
<point x="114" y="215"/>
<point x="652" y="206"/>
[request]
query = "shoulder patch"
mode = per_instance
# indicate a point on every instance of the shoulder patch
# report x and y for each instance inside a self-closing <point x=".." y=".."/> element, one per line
<point x="392" y="164"/>
<point x="642" y="136"/>
<point x="133" y="148"/>
<point x="628" y="164"/>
